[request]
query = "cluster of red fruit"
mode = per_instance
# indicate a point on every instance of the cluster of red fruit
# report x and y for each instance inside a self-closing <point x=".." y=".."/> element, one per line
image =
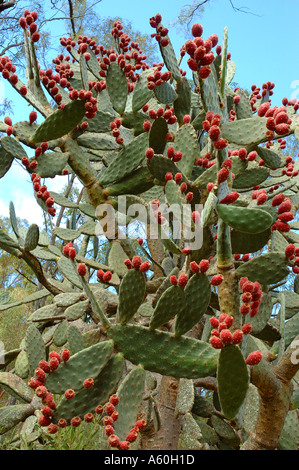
<point x="243" y="154"/>
<point x="28" y="21"/>
<point x="196" y="268"/>
<point x="162" y="32"/>
<point x="137" y="264"/>
<point x="289" y="170"/>
<point x="112" y="416"/>
<point x="69" y="251"/>
<point x="206" y="161"/>
<point x="284" y="207"/>
<point x="38" y="384"/>
<point x="278" y="120"/>
<point x="130" y="60"/>
<point x="251" y="297"/>
<point x="104" y="277"/>
<point x="211" y="126"/>
<point x="258" y="93"/>
<point x="200" y="51"/>
<point x="244" y="258"/>
<point x="224" y="171"/>
<point x="8" y="72"/>
<point x="114" y="126"/>
<point x="43" y="193"/>
<point x="292" y="253"/>
<point x="157" y="78"/>
<point x="221" y="336"/>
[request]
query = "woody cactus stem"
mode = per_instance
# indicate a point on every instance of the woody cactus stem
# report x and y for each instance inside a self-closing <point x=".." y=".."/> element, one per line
<point x="80" y="165"/>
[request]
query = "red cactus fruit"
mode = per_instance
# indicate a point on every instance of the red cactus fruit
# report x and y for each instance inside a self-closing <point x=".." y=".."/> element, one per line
<point x="254" y="358"/>
<point x="107" y="276"/>
<point x="76" y="421"/>
<point x="290" y="251"/>
<point x="145" y="267"/>
<point x="54" y="363"/>
<point x="88" y="383"/>
<point x="43" y="421"/>
<point x="204" y="265"/>
<point x="47" y="412"/>
<point x="220" y="144"/>
<point x="246" y="329"/>
<point x="149" y="153"/>
<point x="222" y="175"/>
<point x="285" y="206"/>
<point x="99" y="410"/>
<point x="214" y="322"/>
<point x="216" y="342"/>
<point x="196" y="30"/>
<point x="52" y="429"/>
<point x="32" y="117"/>
<point x="229" y="320"/>
<point x="183" y="279"/>
<point x="237" y="337"/>
<point x="109" y="408"/>
<point x="113" y="441"/>
<point x="62" y="423"/>
<point x="136" y="262"/>
<point x="183" y="187"/>
<point x="245" y="309"/>
<point x="217" y="280"/>
<point x="81" y="269"/>
<point x="278" y="199"/>
<point x="226" y="336"/>
<point x="69" y="394"/>
<point x="124" y="445"/>
<point x="108" y="420"/>
<point x="41" y="391"/>
<point x="34" y="383"/>
<point x="8" y="121"/>
<point x="194" y="267"/>
<point x="55" y="354"/>
<point x="230" y="198"/>
<point x="141" y="424"/>
<point x="114" y="399"/>
<point x="173" y="280"/>
<point x="109" y="430"/>
<point x="23" y="91"/>
<point x="88" y="418"/>
<point x="44" y="366"/>
<point x="132" y="436"/>
<point x="40" y="374"/>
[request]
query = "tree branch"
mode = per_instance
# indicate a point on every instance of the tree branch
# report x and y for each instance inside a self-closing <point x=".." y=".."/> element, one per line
<point x="72" y="17"/>
<point x="4" y="6"/>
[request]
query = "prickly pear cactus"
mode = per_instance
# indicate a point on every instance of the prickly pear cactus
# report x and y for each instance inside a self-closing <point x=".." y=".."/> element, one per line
<point x="191" y="303"/>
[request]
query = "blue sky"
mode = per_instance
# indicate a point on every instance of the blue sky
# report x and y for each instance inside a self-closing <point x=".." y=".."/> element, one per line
<point x="263" y="45"/>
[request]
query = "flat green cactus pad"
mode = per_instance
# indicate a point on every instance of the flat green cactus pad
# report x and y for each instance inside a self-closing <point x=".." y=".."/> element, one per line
<point x="233" y="380"/>
<point x="266" y="269"/>
<point x="170" y="304"/>
<point x="59" y="123"/>
<point x="86" y="400"/>
<point x="197" y="295"/>
<point x="130" y="394"/>
<point x="86" y="363"/>
<point x="131" y="294"/>
<point x="244" y="219"/>
<point x="164" y="353"/>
